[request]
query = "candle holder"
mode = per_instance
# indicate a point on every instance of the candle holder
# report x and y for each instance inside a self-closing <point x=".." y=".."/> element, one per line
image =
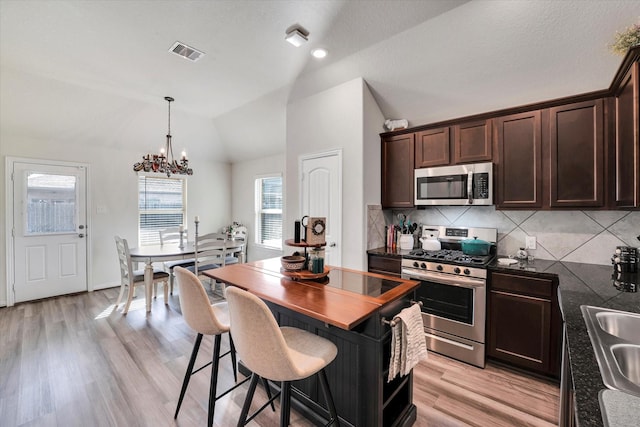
<point x="181" y="244"/>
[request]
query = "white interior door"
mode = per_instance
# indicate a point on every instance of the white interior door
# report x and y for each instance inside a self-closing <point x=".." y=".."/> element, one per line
<point x="49" y="230"/>
<point x="321" y="195"/>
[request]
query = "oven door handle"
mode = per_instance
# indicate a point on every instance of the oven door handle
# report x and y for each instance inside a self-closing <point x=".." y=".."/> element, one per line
<point x="461" y="281"/>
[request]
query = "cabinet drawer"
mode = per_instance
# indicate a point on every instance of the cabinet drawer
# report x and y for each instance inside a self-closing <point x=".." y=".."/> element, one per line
<point x="382" y="264"/>
<point x="522" y="285"/>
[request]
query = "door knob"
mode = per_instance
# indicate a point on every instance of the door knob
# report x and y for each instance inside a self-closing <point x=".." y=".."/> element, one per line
<point x="81" y="235"/>
<point x="332" y="244"/>
<point x="81" y="227"/>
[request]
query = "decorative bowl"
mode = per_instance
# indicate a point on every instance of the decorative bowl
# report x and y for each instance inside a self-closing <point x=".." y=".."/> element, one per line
<point x="292" y="262"/>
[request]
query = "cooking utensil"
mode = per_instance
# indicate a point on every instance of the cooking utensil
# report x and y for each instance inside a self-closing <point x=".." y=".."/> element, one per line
<point x="475" y="246"/>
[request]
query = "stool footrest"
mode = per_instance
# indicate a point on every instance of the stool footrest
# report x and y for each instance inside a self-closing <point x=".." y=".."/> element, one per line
<point x="269" y="402"/>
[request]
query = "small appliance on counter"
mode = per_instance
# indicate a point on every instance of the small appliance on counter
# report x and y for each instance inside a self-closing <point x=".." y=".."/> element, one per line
<point x="625" y="276"/>
<point x="625" y="259"/>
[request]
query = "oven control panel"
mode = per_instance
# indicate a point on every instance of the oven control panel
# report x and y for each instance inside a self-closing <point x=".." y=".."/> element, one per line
<point x="415" y="267"/>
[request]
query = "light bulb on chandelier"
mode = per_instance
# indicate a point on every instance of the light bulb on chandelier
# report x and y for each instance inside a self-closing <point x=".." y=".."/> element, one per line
<point x="164" y="162"/>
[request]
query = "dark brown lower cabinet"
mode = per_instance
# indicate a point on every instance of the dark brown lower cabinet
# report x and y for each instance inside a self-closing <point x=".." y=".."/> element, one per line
<point x="524" y="322"/>
<point x="384" y="264"/>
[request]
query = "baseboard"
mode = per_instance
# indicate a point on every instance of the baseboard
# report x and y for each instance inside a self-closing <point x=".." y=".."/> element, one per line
<point x="105" y="286"/>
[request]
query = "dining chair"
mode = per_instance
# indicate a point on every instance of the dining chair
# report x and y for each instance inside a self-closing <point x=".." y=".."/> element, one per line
<point x="172" y="235"/>
<point x="241" y="235"/>
<point x="131" y="278"/>
<point x="206" y="319"/>
<point x="210" y="252"/>
<point x="282" y="354"/>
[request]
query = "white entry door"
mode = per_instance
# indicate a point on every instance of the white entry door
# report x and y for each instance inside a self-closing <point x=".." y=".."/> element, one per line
<point x="49" y="230"/>
<point x="321" y="196"/>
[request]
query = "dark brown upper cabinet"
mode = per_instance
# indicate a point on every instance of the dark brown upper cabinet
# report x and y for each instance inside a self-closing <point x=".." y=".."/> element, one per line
<point x="627" y="139"/>
<point x="398" y="162"/>
<point x="576" y="154"/>
<point x="582" y="151"/>
<point x="518" y="161"/>
<point x="472" y="142"/>
<point x="433" y="148"/>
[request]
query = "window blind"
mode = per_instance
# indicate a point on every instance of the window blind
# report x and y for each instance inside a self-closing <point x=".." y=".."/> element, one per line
<point x="161" y="204"/>
<point x="269" y="212"/>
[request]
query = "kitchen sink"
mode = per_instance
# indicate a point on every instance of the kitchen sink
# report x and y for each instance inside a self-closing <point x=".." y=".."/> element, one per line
<point x="615" y="336"/>
<point x="628" y="359"/>
<point x="620" y="324"/>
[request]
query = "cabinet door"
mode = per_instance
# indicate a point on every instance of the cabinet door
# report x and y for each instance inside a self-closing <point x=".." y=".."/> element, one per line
<point x="472" y="142"/>
<point x="627" y="120"/>
<point x="519" y="330"/>
<point x="576" y="143"/>
<point x="384" y="265"/>
<point x="432" y="148"/>
<point x="519" y="161"/>
<point x="397" y="171"/>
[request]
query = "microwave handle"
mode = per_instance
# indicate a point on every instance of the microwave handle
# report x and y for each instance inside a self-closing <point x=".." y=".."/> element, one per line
<point x="470" y="186"/>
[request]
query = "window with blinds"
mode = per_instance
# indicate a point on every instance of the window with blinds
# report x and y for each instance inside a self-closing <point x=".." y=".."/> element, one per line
<point x="161" y="204"/>
<point x="269" y="211"/>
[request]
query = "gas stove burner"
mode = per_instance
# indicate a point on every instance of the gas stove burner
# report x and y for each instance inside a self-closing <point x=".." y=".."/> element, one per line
<point x="450" y="256"/>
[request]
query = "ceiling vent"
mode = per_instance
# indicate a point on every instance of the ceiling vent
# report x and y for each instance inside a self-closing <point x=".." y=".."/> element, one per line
<point x="186" y="52"/>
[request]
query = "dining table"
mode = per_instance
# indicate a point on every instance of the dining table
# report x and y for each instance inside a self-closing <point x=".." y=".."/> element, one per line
<point x="170" y="252"/>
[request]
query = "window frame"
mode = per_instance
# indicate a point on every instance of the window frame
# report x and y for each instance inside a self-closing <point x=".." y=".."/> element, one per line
<point x="183" y="211"/>
<point x="258" y="211"/>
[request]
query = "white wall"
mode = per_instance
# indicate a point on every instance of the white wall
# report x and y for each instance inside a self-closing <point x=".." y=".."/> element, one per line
<point x="110" y="143"/>
<point x="372" y="169"/>
<point x="243" y="176"/>
<point x="329" y="120"/>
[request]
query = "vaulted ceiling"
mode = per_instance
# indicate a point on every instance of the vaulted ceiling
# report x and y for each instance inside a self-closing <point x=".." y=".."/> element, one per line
<point x="423" y="60"/>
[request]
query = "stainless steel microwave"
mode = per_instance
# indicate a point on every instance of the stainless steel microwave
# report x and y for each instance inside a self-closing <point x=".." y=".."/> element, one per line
<point x="470" y="184"/>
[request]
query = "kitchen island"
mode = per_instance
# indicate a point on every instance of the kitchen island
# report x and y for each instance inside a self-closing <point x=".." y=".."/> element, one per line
<point x="349" y="308"/>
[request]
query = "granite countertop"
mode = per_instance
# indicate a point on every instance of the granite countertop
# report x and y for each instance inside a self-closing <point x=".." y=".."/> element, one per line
<point x="579" y="284"/>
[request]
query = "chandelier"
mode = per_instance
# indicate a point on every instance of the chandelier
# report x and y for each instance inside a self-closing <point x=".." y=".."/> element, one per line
<point x="164" y="162"/>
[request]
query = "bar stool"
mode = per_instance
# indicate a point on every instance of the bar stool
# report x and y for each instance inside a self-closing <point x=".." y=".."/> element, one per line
<point x="277" y="353"/>
<point x="205" y="319"/>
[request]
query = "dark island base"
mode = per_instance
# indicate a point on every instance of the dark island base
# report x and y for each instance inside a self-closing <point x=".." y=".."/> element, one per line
<point x="357" y="377"/>
<point x="318" y="415"/>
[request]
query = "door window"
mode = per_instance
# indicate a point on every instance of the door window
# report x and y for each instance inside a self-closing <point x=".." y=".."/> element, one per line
<point x="51" y="204"/>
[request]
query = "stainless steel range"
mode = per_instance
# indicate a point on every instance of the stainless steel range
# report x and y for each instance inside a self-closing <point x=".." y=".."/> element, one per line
<point x="453" y="291"/>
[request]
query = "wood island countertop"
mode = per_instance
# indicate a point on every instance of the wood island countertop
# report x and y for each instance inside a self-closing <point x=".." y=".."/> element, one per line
<point x="346" y="298"/>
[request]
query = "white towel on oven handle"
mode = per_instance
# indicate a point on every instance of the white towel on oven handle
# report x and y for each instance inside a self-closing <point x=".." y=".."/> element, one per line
<point x="396" y="350"/>
<point x="414" y="346"/>
<point x="408" y="345"/>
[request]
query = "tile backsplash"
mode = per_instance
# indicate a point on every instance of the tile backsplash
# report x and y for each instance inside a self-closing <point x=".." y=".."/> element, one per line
<point x="576" y="236"/>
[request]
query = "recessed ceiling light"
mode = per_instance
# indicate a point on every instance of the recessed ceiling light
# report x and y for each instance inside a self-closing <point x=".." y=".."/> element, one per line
<point x="319" y="53"/>
<point x="297" y="36"/>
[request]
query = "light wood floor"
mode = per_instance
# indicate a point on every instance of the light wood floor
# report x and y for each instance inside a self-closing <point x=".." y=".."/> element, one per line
<point x="73" y="361"/>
